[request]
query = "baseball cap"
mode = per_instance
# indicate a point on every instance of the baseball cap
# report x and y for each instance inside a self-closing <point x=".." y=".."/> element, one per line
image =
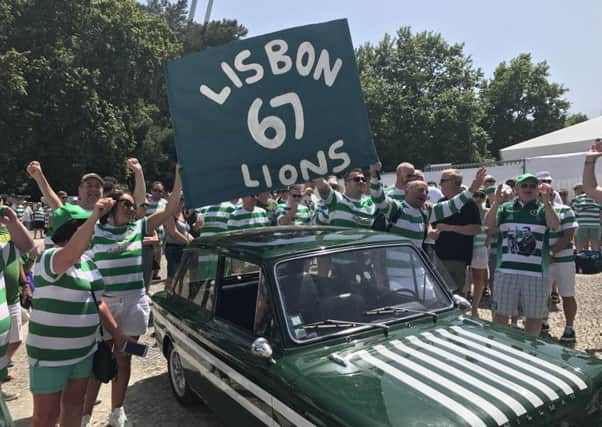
<point x="489" y="178"/>
<point x="65" y="214"/>
<point x="526" y="176"/>
<point x="543" y="176"/>
<point x="490" y="189"/>
<point x="94" y="176"/>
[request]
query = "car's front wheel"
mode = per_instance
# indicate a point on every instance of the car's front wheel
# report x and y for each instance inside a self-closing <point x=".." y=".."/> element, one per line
<point x="177" y="378"/>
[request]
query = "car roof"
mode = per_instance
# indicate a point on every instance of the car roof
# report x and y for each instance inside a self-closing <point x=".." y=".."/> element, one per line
<point x="283" y="241"/>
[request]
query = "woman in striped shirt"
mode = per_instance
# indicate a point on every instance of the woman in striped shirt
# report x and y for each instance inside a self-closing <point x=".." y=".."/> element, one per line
<point x="117" y="251"/>
<point x="480" y="256"/>
<point x="62" y="330"/>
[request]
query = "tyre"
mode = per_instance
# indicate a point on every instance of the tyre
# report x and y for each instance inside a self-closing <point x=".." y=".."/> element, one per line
<point x="177" y="379"/>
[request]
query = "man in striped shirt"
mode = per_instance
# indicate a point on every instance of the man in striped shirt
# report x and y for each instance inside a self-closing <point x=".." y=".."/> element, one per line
<point x="588" y="213"/>
<point x="215" y="217"/>
<point x="350" y="209"/>
<point x="522" y="277"/>
<point x="248" y="215"/>
<point x="294" y="212"/>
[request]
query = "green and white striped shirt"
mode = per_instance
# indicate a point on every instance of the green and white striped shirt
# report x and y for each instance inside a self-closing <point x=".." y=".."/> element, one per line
<point x="19" y="210"/>
<point x="412" y="221"/>
<point x="395" y="193"/>
<point x="117" y="251"/>
<point x="523" y="238"/>
<point x="568" y="221"/>
<point x="64" y="318"/>
<point x="302" y="216"/>
<point x="242" y="219"/>
<point x="39" y="214"/>
<point x="216" y="218"/>
<point x="9" y="253"/>
<point x="155" y="205"/>
<point x="587" y="211"/>
<point x="343" y="211"/>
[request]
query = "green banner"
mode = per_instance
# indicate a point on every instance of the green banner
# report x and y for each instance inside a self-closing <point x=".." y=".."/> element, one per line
<point x="267" y="112"/>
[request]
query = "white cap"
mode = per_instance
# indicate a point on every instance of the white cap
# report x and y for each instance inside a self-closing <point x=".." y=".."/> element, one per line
<point x="543" y="176"/>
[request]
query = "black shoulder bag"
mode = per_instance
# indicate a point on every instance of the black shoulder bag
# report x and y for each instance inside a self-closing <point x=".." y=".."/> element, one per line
<point x="105" y="366"/>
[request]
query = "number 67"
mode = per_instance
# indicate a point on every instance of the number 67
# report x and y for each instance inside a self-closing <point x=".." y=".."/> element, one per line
<point x="258" y="128"/>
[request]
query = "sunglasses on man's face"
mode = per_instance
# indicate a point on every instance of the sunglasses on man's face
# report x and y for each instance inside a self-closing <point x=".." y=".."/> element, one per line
<point x="358" y="179"/>
<point x="127" y="204"/>
<point x="157" y="190"/>
<point x="296" y="196"/>
<point x="478" y="196"/>
<point x="528" y="185"/>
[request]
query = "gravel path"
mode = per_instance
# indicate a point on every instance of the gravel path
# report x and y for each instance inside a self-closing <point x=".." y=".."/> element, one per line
<point x="150" y="401"/>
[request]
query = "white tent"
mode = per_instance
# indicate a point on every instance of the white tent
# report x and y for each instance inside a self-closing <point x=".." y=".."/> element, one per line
<point x="573" y="139"/>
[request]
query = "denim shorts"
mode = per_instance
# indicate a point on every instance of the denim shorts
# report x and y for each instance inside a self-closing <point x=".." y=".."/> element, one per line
<point x="173" y="254"/>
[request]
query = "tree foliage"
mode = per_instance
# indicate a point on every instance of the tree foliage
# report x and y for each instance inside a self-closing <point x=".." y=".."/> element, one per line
<point x="521" y="103"/>
<point x="422" y="100"/>
<point x="573" y="119"/>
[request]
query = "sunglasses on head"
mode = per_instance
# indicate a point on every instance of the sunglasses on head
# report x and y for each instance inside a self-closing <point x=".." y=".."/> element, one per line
<point x="358" y="179"/>
<point x="126" y="203"/>
<point x="528" y="185"/>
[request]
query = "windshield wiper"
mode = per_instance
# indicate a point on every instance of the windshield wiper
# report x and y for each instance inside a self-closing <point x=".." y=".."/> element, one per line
<point x="331" y="323"/>
<point x="398" y="310"/>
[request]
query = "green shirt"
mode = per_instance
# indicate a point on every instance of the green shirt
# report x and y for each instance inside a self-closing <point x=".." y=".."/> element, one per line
<point x="302" y="216"/>
<point x="11" y="272"/>
<point x="587" y="211"/>
<point x="117" y="252"/>
<point x="395" y="193"/>
<point x="344" y="211"/>
<point x="242" y="219"/>
<point x="9" y="254"/>
<point x="567" y="222"/>
<point x="523" y="238"/>
<point x="216" y="218"/>
<point x="411" y="222"/>
<point x="64" y="318"/>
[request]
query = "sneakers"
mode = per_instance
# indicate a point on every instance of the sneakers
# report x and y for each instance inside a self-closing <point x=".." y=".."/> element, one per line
<point x="555" y="298"/>
<point x="568" y="335"/>
<point x="118" y="418"/>
<point x="86" y="421"/>
<point x="9" y="396"/>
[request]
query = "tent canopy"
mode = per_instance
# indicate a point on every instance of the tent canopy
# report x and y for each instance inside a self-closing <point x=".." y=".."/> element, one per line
<point x="573" y="139"/>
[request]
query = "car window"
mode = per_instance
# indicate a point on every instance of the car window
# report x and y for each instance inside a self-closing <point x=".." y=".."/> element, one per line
<point x="372" y="285"/>
<point x="237" y="297"/>
<point x="196" y="281"/>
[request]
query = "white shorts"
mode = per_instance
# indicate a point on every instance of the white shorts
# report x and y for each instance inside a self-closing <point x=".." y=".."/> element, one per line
<point x="130" y="312"/>
<point x="15" y="333"/>
<point x="480" y="258"/>
<point x="563" y="273"/>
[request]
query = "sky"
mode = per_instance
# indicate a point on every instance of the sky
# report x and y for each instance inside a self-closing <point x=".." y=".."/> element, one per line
<point x="565" y="34"/>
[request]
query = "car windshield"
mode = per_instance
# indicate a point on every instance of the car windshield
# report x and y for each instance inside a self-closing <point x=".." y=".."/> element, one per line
<point x="324" y="294"/>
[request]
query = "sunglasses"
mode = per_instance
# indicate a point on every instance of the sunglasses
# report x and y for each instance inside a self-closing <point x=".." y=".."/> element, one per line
<point x="444" y="180"/>
<point x="156" y="190"/>
<point x="478" y="196"/>
<point x="296" y="196"/>
<point x="358" y="179"/>
<point x="528" y="185"/>
<point x="127" y="204"/>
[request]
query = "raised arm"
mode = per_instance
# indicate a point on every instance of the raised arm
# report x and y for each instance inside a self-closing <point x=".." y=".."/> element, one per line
<point x="159" y="217"/>
<point x="383" y="204"/>
<point x="170" y="227"/>
<point x="34" y="169"/>
<point x="68" y="255"/>
<point x="323" y="188"/>
<point x="441" y="210"/>
<point x="547" y="195"/>
<point x="18" y="233"/>
<point x="139" y="183"/>
<point x="590" y="184"/>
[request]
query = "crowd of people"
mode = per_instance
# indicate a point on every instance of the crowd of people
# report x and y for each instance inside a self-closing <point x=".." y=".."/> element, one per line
<point x="513" y="241"/>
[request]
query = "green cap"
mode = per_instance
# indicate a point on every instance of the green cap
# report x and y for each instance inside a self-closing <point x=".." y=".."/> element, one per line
<point x="66" y="213"/>
<point x="526" y="176"/>
<point x="490" y="189"/>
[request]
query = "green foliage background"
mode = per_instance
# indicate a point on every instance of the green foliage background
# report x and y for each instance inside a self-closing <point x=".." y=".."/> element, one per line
<point x="82" y="88"/>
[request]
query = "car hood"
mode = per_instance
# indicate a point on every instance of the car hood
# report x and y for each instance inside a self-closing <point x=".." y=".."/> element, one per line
<point x="457" y="371"/>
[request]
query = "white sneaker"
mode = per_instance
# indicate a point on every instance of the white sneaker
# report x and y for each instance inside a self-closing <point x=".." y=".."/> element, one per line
<point x="118" y="417"/>
<point x="86" y="421"/>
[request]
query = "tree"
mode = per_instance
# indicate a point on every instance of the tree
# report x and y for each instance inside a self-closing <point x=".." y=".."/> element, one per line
<point x="521" y="103"/>
<point x="421" y="96"/>
<point x="573" y="119"/>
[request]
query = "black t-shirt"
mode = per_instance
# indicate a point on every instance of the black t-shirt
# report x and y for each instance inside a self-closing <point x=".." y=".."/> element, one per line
<point x="455" y="246"/>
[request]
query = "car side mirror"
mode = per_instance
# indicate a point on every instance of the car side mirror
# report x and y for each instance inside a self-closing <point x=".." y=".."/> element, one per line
<point x="461" y="302"/>
<point x="262" y="349"/>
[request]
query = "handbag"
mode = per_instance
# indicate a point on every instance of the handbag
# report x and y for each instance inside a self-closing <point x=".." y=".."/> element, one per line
<point x="104" y="364"/>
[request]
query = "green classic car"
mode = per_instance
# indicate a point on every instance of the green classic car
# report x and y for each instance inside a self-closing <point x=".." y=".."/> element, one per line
<point x="323" y="326"/>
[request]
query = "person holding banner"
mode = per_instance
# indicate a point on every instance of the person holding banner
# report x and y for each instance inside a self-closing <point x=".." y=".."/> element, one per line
<point x="117" y="251"/>
<point x="294" y="212"/>
<point x="349" y="209"/>
<point x="249" y="215"/>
